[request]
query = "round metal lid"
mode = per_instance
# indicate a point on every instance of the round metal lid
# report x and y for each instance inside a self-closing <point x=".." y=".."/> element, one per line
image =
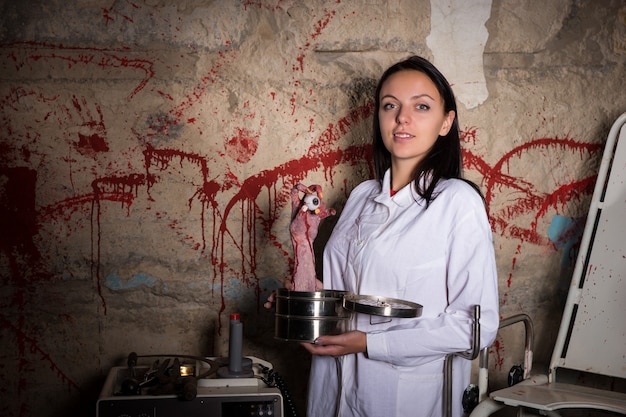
<point x="381" y="306"/>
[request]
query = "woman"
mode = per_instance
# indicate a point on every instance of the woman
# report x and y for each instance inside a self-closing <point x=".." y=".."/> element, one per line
<point x="420" y="233"/>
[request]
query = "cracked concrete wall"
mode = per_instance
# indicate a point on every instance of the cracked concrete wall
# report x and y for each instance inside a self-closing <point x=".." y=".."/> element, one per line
<point x="148" y="149"/>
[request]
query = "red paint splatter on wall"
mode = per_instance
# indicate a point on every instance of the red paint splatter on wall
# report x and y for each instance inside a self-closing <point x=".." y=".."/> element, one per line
<point x="18" y="222"/>
<point x="531" y="200"/>
<point x="89" y="145"/>
<point x="523" y="198"/>
<point x="104" y="58"/>
<point x="243" y="145"/>
<point x="321" y="24"/>
<point x="225" y="58"/>
<point x="106" y="14"/>
<point x="497" y="350"/>
<point x="121" y="189"/>
<point x="323" y="154"/>
<point x="160" y="160"/>
<point x="17" y="211"/>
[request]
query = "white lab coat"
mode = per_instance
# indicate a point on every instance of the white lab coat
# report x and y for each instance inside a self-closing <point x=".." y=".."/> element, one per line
<point x="442" y="258"/>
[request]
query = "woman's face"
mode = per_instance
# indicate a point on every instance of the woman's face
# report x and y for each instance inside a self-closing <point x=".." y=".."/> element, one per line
<point x="411" y="116"/>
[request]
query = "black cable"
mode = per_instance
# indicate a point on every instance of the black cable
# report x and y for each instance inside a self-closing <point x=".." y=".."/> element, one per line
<point x="274" y="379"/>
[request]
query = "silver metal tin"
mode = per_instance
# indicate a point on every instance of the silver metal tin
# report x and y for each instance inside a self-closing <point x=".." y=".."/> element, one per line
<point x="304" y="316"/>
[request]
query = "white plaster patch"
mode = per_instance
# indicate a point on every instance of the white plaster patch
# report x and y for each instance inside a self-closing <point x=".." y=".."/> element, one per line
<point x="457" y="40"/>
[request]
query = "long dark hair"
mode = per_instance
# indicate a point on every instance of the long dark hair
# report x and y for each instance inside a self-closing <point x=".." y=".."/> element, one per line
<point x="444" y="160"/>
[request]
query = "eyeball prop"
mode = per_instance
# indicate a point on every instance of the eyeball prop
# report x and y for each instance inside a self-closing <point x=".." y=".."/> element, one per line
<point x="311" y="203"/>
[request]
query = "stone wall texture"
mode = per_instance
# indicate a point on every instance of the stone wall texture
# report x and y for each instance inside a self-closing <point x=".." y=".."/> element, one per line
<point x="149" y="146"/>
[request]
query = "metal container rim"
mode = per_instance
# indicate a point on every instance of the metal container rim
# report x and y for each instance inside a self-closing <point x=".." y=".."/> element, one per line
<point x="312" y="318"/>
<point x="310" y="295"/>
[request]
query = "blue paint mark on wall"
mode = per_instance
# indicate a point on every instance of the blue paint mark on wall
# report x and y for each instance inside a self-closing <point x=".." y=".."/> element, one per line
<point x="566" y="233"/>
<point x="236" y="289"/>
<point x="113" y="282"/>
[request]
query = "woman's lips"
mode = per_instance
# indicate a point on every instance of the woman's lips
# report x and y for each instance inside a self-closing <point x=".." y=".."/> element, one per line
<point x="402" y="136"/>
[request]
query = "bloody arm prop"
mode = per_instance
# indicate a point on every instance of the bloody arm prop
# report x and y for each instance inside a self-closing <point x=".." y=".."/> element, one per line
<point x="306" y="214"/>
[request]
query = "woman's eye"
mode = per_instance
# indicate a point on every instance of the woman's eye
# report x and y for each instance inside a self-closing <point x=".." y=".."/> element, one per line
<point x="388" y="106"/>
<point x="423" y="107"/>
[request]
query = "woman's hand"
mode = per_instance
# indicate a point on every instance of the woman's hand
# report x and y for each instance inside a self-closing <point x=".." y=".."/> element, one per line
<point x="271" y="299"/>
<point x="339" y="345"/>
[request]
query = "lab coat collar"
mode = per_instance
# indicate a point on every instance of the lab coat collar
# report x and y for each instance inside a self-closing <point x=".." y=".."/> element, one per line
<point x="403" y="198"/>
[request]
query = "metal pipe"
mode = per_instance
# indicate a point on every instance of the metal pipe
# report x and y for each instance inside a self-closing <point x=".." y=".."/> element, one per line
<point x="469" y="355"/>
<point x="529" y="338"/>
<point x="483" y="363"/>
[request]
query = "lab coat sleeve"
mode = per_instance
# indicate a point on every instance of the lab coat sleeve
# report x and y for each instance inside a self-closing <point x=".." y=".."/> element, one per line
<point x="471" y="279"/>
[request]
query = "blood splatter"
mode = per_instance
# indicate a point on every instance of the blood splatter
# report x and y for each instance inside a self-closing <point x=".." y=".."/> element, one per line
<point x="322" y="23"/>
<point x="18" y="222"/>
<point x="17" y="210"/>
<point x="121" y="189"/>
<point x="323" y="154"/>
<point x="89" y="145"/>
<point x="243" y="145"/>
<point x="105" y="58"/>
<point x="529" y="200"/>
